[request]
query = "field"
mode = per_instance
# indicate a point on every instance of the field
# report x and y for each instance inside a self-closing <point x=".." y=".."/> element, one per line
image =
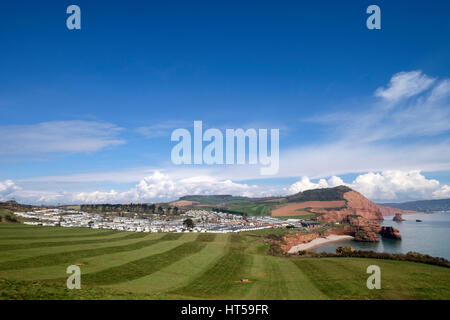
<point x="122" y="265"/>
<point x="252" y="209"/>
<point x="295" y="209"/>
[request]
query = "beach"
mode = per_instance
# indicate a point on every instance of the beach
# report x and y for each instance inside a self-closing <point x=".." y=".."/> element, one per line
<point x="318" y="242"/>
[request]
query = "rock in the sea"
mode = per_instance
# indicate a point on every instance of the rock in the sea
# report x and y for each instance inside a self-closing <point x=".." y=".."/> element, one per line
<point x="390" y="232"/>
<point x="364" y="234"/>
<point x="363" y="229"/>
<point x="398" y="217"/>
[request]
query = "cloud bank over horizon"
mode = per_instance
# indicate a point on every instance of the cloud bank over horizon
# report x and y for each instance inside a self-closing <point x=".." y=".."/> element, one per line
<point x="393" y="185"/>
<point x="158" y="187"/>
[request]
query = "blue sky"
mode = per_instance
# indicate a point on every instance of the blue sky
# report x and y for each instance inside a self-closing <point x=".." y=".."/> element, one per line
<point x="111" y="93"/>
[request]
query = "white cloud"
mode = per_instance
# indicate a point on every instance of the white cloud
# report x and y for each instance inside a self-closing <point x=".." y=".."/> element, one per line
<point x="442" y="193"/>
<point x="391" y="185"/>
<point x="410" y="133"/>
<point x="306" y="184"/>
<point x="6" y="189"/>
<point x="162" y="186"/>
<point x="58" y="136"/>
<point x="423" y="115"/>
<point x="161" y="129"/>
<point x="158" y="187"/>
<point x="405" y="85"/>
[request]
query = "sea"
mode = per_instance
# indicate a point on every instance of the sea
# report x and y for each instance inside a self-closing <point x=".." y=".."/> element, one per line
<point x="431" y="236"/>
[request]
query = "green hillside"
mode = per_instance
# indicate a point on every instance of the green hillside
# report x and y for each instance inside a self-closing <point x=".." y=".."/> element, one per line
<point x="215" y="199"/>
<point x="123" y="265"/>
<point x="325" y="194"/>
<point x="7" y="216"/>
<point x="263" y="206"/>
<point x="422" y="205"/>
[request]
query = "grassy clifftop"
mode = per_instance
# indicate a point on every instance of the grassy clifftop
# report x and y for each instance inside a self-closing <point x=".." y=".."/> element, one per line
<point x="215" y="199"/>
<point x="325" y="194"/>
<point x="122" y="265"/>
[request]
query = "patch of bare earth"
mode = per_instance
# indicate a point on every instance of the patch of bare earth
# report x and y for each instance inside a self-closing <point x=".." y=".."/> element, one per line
<point x="183" y="203"/>
<point x="291" y="209"/>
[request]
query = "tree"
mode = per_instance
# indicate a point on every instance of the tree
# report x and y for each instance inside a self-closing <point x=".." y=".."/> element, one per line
<point x="11" y="218"/>
<point x="188" y="223"/>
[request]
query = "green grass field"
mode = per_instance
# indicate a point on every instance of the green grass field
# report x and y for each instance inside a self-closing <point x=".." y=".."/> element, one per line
<point x="122" y="265"/>
<point x="252" y="209"/>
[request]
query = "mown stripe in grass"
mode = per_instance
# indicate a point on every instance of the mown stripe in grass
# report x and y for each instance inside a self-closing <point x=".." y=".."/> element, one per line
<point x="64" y="235"/>
<point x="145" y="266"/>
<point x="179" y="273"/>
<point x="224" y="275"/>
<point x="273" y="285"/>
<point x="6" y="247"/>
<point x="73" y="256"/>
<point x="332" y="277"/>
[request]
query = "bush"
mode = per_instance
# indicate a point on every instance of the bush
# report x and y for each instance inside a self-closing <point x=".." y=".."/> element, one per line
<point x="188" y="223"/>
<point x="275" y="250"/>
<point x="343" y="250"/>
<point x="410" y="256"/>
<point x="11" y="218"/>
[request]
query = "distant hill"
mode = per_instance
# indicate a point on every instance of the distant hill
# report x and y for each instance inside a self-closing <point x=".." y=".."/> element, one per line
<point x="326" y="204"/>
<point x="215" y="199"/>
<point x="422" y="205"/>
<point x="325" y="194"/>
<point x="15" y="206"/>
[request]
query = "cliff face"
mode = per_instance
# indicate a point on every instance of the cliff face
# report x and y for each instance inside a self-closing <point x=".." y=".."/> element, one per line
<point x="363" y="206"/>
<point x="389" y="211"/>
<point x="358" y="217"/>
<point x="363" y="229"/>
<point x="360" y="228"/>
<point x="296" y="239"/>
<point x="356" y="204"/>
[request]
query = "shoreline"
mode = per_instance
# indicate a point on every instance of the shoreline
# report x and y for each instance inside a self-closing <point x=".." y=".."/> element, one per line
<point x="318" y="242"/>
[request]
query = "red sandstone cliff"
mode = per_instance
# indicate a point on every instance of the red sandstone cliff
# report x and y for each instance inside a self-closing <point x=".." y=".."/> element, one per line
<point x="296" y="239"/>
<point x="358" y="218"/>
<point x="356" y="204"/>
<point x="389" y="211"/>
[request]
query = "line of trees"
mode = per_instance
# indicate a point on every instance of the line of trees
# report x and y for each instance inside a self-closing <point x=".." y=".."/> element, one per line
<point x="142" y="208"/>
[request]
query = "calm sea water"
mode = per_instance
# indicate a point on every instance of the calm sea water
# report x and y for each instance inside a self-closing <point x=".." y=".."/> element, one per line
<point x="431" y="236"/>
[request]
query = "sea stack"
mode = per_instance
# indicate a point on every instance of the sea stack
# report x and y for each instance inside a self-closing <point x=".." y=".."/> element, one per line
<point x="390" y="232"/>
<point x="398" y="217"/>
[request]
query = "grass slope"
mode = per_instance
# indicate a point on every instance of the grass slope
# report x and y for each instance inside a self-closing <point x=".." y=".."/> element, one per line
<point x="252" y="209"/>
<point x="193" y="266"/>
